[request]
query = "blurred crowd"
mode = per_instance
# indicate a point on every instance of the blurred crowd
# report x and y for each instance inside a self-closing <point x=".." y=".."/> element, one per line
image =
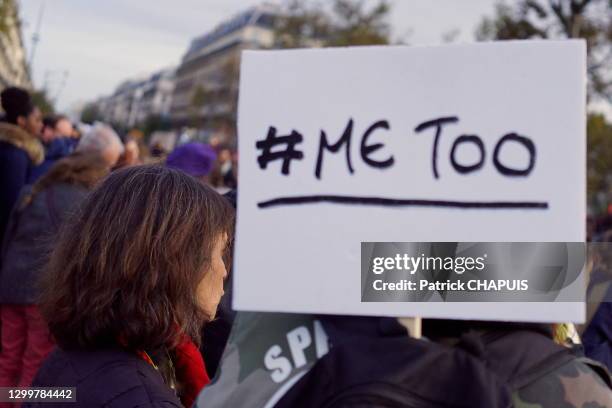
<point x="599" y="229"/>
<point x="113" y="276"/>
<point x="48" y="165"/>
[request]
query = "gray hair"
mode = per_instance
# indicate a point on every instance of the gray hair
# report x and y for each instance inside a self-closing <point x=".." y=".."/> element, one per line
<point x="99" y="138"/>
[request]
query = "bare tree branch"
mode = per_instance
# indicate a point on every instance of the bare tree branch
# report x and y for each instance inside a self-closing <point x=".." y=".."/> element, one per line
<point x="557" y="8"/>
<point x="535" y="6"/>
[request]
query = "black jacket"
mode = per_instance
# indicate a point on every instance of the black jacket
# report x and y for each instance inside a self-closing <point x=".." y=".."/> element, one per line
<point x="29" y="237"/>
<point x="110" y="378"/>
<point x="19" y="153"/>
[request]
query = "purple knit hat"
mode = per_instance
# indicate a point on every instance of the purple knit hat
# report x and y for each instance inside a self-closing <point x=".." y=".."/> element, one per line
<point x="195" y="159"/>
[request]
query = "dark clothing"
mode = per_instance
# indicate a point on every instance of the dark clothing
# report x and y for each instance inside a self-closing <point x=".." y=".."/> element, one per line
<point x="373" y="363"/>
<point x="105" y="378"/>
<point x="597" y="338"/>
<point x="29" y="237"/>
<point x="216" y="333"/>
<point x="19" y="153"/>
<point x="54" y="150"/>
<point x="14" y="172"/>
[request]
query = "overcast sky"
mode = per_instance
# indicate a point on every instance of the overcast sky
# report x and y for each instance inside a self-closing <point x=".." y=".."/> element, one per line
<point x="101" y="43"/>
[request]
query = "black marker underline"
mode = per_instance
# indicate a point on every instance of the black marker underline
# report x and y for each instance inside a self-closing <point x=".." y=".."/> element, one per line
<point x="399" y="202"/>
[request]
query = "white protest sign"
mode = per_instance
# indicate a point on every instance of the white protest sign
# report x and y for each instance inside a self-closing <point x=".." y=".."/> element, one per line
<point x="482" y="142"/>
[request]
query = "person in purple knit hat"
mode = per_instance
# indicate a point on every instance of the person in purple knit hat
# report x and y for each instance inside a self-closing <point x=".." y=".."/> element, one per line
<point x="195" y="158"/>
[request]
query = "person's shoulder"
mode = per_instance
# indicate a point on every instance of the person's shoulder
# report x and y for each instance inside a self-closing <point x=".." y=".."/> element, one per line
<point x="574" y="384"/>
<point x="134" y="389"/>
<point x="110" y="378"/>
<point x="12" y="154"/>
<point x="68" y="192"/>
<point x="16" y="139"/>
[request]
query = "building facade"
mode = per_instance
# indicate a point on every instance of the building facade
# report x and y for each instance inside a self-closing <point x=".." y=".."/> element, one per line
<point x="205" y="95"/>
<point x="138" y="99"/>
<point x="13" y="66"/>
<point x="155" y="96"/>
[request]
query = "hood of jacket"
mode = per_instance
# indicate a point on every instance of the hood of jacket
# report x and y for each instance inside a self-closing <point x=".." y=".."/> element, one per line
<point x="21" y="139"/>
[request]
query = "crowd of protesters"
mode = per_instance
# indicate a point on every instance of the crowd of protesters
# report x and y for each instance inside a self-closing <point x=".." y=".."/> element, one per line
<point x="113" y="273"/>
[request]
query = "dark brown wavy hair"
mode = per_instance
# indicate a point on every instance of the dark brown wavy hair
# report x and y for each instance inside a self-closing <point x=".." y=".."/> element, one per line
<point x="126" y="269"/>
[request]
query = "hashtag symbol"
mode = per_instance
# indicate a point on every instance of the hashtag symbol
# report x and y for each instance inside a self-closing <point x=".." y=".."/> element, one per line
<point x="286" y="155"/>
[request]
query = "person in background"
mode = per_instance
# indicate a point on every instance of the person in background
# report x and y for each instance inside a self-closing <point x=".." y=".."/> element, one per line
<point x="158" y="152"/>
<point x="58" y="143"/>
<point x="76" y="132"/>
<point x="224" y="174"/>
<point x="20" y="147"/>
<point x="195" y="159"/>
<point x="79" y="129"/>
<point x="47" y="134"/>
<point x="97" y="138"/>
<point x="137" y="145"/>
<point x="374" y="362"/>
<point x="32" y="230"/>
<point x="228" y="173"/>
<point x="144" y="152"/>
<point x="66" y="131"/>
<point x="131" y="155"/>
<point x="603" y="229"/>
<point x="596" y="334"/>
<point x="233" y="182"/>
<point x="129" y="285"/>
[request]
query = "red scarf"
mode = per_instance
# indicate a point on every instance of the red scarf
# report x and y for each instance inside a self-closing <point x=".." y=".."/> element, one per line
<point x="189" y="369"/>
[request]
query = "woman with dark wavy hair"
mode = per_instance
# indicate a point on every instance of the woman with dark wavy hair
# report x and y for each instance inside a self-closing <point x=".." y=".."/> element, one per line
<point x="129" y="285"/>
